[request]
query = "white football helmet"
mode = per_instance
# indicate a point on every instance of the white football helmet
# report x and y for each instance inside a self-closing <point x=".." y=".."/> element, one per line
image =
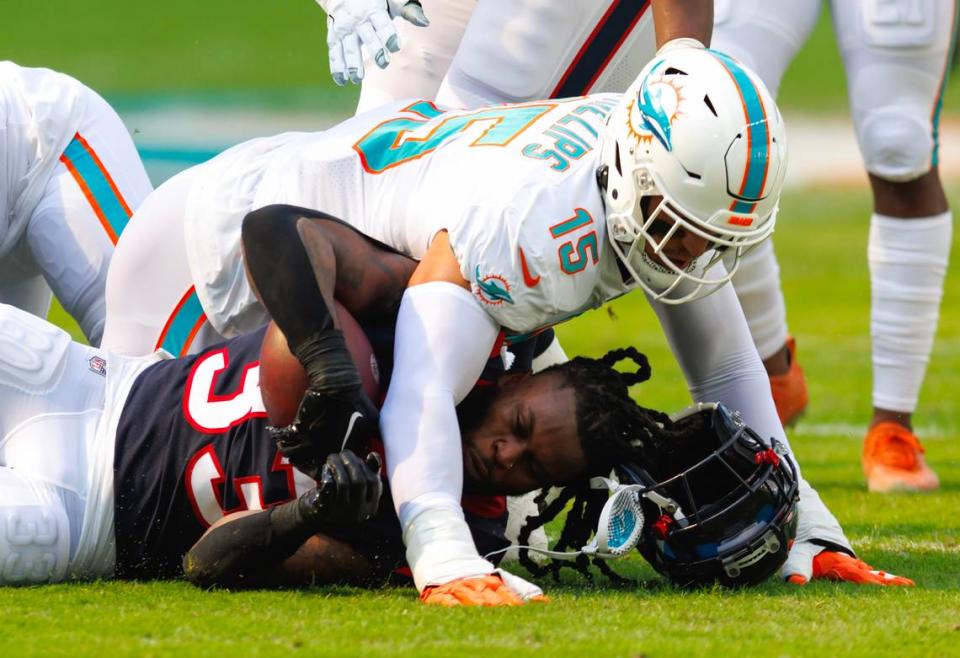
<point x="700" y="130"/>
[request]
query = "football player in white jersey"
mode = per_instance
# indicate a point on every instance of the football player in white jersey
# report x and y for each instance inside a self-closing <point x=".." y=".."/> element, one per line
<point x="522" y="216"/>
<point x="896" y="55"/>
<point x="471" y="54"/>
<point x="70" y="178"/>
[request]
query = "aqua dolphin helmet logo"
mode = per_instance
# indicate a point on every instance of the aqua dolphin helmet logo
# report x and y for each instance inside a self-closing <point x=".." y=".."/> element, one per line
<point x="657" y="107"/>
<point x="492" y="289"/>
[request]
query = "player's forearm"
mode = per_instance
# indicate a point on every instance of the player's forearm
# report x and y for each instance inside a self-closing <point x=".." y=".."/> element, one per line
<point x="712" y="343"/>
<point x="442" y="342"/>
<point x="243" y="547"/>
<point x="294" y="278"/>
<point x="674" y="19"/>
<point x="294" y="283"/>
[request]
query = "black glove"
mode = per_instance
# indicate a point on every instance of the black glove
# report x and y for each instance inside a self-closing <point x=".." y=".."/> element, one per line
<point x="235" y="552"/>
<point x="326" y="423"/>
<point x="349" y="490"/>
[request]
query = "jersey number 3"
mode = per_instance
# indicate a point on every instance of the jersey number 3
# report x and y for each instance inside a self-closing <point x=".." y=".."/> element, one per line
<point x="404" y="139"/>
<point x="211" y="413"/>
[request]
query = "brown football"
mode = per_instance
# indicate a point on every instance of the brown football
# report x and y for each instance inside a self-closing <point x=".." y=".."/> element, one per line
<point x="283" y="380"/>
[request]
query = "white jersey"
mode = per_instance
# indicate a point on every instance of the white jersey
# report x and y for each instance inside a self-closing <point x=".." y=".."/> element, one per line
<point x="514" y="185"/>
<point x="40" y="112"/>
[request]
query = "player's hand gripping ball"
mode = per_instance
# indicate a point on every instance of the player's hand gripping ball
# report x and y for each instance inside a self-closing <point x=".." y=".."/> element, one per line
<point x="308" y="426"/>
<point x="326" y="424"/>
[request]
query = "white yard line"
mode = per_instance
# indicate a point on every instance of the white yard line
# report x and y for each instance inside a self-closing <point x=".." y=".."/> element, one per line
<point x="856" y="431"/>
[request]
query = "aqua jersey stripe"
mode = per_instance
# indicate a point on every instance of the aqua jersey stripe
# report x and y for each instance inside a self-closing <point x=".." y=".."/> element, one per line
<point x="111" y="207"/>
<point x="943" y="87"/>
<point x="181" y="327"/>
<point x="759" y="137"/>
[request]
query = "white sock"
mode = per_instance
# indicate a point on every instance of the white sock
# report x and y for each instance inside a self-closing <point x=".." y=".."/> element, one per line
<point x="908" y="260"/>
<point x="757" y="283"/>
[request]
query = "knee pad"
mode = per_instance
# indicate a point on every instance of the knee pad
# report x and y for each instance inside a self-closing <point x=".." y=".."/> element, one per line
<point x="895" y="55"/>
<point x="896" y="143"/>
<point x="34" y="532"/>
<point x="32" y="351"/>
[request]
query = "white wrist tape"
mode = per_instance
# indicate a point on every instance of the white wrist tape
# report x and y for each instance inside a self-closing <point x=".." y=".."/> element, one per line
<point x="440" y="547"/>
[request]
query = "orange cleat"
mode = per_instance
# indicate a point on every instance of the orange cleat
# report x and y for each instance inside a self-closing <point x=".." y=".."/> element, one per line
<point x="893" y="460"/>
<point x="790" y="389"/>
<point x="483" y="591"/>
<point x="830" y="565"/>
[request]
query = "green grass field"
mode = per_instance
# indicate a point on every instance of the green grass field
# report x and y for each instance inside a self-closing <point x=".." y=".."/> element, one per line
<point x="822" y="243"/>
<point x="273" y="53"/>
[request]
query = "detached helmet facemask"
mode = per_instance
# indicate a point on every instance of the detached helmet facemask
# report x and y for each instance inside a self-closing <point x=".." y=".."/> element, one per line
<point x="696" y="145"/>
<point x="729" y="515"/>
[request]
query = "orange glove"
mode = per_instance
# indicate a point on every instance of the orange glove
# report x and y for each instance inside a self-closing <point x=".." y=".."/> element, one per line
<point x="833" y="565"/>
<point x="483" y="590"/>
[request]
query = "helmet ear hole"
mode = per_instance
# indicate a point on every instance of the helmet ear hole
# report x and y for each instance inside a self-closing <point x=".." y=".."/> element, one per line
<point x="616" y="160"/>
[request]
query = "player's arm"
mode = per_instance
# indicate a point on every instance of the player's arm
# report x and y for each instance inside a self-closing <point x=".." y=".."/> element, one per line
<point x="322" y="258"/>
<point x="711" y="341"/>
<point x="443" y="339"/>
<point x="280" y="544"/>
<point x="298" y="261"/>
<point x="679" y="19"/>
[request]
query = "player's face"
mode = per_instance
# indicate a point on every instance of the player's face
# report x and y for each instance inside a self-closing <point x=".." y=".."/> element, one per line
<point x="526" y="440"/>
<point x="682" y="246"/>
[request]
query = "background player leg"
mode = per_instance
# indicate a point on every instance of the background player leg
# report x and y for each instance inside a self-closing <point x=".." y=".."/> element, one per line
<point x="41" y="550"/>
<point x="87" y="203"/>
<point x="908" y="259"/>
<point x="766" y="35"/>
<point x="519" y="51"/>
<point x="896" y="58"/>
<point x="51" y="402"/>
<point x="150" y="296"/>
<point x="21" y="283"/>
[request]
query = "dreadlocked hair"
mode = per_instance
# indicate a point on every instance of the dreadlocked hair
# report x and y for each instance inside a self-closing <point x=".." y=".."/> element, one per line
<point x="613" y="429"/>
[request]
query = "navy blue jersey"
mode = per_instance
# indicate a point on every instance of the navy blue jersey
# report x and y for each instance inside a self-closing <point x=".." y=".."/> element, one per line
<point x="192" y="446"/>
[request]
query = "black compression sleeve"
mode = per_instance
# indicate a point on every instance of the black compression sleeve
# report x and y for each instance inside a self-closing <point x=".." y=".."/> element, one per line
<point x="287" y="282"/>
<point x="234" y="552"/>
<point x="282" y="272"/>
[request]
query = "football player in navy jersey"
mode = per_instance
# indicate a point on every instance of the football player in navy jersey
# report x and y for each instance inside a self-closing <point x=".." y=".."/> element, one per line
<point x="115" y="466"/>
